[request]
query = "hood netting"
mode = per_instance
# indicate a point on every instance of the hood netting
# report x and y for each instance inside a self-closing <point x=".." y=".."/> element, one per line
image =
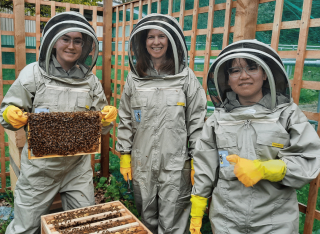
<point x="277" y="82"/>
<point x="62" y="24"/>
<point x="169" y="26"/>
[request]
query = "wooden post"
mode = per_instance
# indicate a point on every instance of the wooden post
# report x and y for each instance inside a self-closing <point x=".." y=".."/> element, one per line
<point x="159" y="7"/>
<point x="149" y="6"/>
<point x="301" y="52"/>
<point x="181" y="15"/>
<point x="170" y="7"/>
<point x="140" y="10"/>
<point x="208" y="44"/>
<point x="2" y="143"/>
<point x="53" y="8"/>
<point x="19" y="36"/>
<point x="38" y="33"/>
<point x="227" y="20"/>
<point x="246" y="19"/>
<point x="106" y="78"/>
<point x="194" y="33"/>
<point x="311" y="205"/>
<point x="276" y="24"/>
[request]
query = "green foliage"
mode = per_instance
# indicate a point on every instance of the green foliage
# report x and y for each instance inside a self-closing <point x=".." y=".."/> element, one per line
<point x="4" y="224"/>
<point x="115" y="191"/>
<point x="9" y="198"/>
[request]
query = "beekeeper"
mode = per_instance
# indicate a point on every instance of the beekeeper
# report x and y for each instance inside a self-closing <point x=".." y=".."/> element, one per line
<point x="255" y="149"/>
<point x="161" y="113"/>
<point x="61" y="81"/>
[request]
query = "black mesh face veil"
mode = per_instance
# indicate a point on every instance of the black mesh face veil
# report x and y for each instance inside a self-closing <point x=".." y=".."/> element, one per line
<point x="277" y="82"/>
<point x="65" y="23"/>
<point x="177" y="50"/>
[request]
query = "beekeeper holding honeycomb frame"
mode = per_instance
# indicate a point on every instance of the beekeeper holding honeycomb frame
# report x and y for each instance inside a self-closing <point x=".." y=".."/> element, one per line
<point x="61" y="81"/>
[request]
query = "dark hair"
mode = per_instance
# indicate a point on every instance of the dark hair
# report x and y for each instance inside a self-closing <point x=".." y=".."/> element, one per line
<point x="143" y="62"/>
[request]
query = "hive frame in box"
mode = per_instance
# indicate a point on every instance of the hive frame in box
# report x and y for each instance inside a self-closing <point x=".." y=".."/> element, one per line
<point x="56" y="156"/>
<point x="127" y="215"/>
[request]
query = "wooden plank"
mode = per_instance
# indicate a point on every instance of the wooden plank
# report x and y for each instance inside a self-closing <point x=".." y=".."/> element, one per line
<point x="149" y="7"/>
<point x="158" y="7"/>
<point x="246" y="20"/>
<point x="131" y="19"/>
<point x="181" y="14"/>
<point x="106" y="78"/>
<point x="19" y="37"/>
<point x="301" y="52"/>
<point x="38" y="33"/>
<point x="208" y="44"/>
<point x="13" y="178"/>
<point x="312" y="197"/>
<point x="276" y="24"/>
<point x="81" y="10"/>
<point x="227" y="21"/>
<point x="193" y="35"/>
<point x="123" y="49"/>
<point x="17" y="137"/>
<point x="170" y="7"/>
<point x="15" y="153"/>
<point x="315" y="85"/>
<point x="94" y="25"/>
<point x="140" y="10"/>
<point x="53" y="8"/>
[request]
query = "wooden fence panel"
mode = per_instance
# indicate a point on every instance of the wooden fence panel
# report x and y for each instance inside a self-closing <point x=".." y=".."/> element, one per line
<point x="213" y="29"/>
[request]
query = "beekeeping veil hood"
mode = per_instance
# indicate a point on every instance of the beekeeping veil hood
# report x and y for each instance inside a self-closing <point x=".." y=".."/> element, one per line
<point x="64" y="23"/>
<point x="171" y="28"/>
<point x="277" y="82"/>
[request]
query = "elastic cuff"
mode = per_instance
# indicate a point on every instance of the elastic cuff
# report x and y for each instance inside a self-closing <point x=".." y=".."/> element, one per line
<point x="125" y="161"/>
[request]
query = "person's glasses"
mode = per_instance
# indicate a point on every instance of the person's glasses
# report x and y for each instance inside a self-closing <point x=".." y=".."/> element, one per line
<point x="235" y="72"/>
<point x="78" y="42"/>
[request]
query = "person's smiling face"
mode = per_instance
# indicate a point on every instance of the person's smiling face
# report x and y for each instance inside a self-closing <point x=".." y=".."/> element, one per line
<point x="157" y="44"/>
<point x="247" y="86"/>
<point x="68" y="49"/>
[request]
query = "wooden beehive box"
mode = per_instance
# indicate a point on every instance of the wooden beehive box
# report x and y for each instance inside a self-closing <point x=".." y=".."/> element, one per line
<point x="111" y="217"/>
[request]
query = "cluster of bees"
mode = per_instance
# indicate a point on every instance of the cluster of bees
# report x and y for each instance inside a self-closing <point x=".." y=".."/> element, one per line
<point x="64" y="133"/>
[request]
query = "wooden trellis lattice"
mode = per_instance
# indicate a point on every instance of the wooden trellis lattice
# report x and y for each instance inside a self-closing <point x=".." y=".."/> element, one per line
<point x="245" y="27"/>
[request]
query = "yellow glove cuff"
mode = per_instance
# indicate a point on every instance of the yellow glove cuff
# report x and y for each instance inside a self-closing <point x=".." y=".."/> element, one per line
<point x="274" y="170"/>
<point x="192" y="168"/>
<point x="4" y="114"/>
<point x="125" y="161"/>
<point x="198" y="207"/>
<point x="105" y="123"/>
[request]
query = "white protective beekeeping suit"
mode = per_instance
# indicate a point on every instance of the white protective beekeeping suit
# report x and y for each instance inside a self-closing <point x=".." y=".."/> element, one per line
<point x="273" y="128"/>
<point x="161" y="115"/>
<point x="45" y="85"/>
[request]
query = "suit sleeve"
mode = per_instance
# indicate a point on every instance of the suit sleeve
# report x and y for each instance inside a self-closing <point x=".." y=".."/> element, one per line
<point x="205" y="161"/>
<point x="196" y="110"/>
<point x="20" y="94"/>
<point x="302" y="157"/>
<point x="125" y="134"/>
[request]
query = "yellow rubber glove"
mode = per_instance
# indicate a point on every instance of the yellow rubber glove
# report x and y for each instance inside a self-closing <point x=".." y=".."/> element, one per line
<point x="195" y="225"/>
<point x="250" y="172"/>
<point x="109" y="114"/>
<point x="125" y="166"/>
<point x="192" y="172"/>
<point x="198" y="208"/>
<point x="14" y="116"/>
